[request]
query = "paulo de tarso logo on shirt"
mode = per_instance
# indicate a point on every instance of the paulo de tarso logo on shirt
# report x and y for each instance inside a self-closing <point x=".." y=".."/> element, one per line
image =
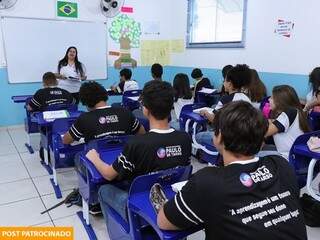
<point x="109" y="119"/>
<point x="161" y="153"/>
<point x="102" y="120"/>
<point x="246" y="180"/>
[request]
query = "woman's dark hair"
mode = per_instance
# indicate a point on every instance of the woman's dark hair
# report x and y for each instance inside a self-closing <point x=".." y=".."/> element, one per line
<point x="91" y="93"/>
<point x="157" y="97"/>
<point x="181" y="86"/>
<point x="242" y="128"/>
<point x="64" y="61"/>
<point x="285" y="97"/>
<point x="239" y="76"/>
<point x="225" y="70"/>
<point x="196" y="73"/>
<point x="126" y="73"/>
<point x="314" y="80"/>
<point x="257" y="90"/>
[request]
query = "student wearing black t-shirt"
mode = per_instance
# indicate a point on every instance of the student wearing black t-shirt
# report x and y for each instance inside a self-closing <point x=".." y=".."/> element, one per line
<point x="50" y="94"/>
<point x="161" y="148"/>
<point x="247" y="198"/>
<point x="101" y="120"/>
<point x="237" y="78"/>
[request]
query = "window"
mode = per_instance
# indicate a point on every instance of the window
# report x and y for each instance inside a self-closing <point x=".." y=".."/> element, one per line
<point x="216" y="23"/>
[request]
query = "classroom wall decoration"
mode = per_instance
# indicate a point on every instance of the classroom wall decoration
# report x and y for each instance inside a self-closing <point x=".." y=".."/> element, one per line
<point x="125" y="31"/>
<point x="284" y="28"/>
<point x="67" y="9"/>
<point x="159" y="51"/>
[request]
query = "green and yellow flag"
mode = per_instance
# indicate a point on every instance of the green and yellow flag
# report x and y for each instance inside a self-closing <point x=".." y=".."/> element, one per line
<point x="67" y="9"/>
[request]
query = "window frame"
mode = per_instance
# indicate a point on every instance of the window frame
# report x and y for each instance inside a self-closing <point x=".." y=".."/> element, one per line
<point x="231" y="44"/>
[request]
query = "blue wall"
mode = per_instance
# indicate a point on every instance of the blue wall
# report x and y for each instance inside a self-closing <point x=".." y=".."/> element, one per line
<point x="12" y="114"/>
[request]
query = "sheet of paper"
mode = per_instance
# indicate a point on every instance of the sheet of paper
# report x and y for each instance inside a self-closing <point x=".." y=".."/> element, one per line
<point x="134" y="98"/>
<point x="207" y="90"/>
<point x="155" y="51"/>
<point x="204" y="108"/>
<point x="49" y="115"/>
<point x="177" y="46"/>
<point x="178" y="186"/>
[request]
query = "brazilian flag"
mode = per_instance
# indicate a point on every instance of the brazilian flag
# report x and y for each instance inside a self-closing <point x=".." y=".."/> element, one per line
<point x="67" y="9"/>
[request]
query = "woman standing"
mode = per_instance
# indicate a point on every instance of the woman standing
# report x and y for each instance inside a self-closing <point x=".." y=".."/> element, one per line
<point x="71" y="72"/>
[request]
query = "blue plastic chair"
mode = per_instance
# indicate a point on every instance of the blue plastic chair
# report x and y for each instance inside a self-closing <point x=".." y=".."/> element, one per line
<point x="193" y="123"/>
<point x="314" y="120"/>
<point x="300" y="157"/>
<point x="90" y="180"/>
<point x="127" y="102"/>
<point x="207" y="99"/>
<point x="142" y="217"/>
<point x="62" y="156"/>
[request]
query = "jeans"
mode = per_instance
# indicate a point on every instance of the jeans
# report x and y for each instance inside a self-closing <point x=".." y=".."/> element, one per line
<point x="114" y="197"/>
<point x="205" y="138"/>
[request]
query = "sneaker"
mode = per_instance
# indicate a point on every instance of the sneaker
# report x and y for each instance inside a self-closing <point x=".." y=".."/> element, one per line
<point x="157" y="197"/>
<point x="95" y="209"/>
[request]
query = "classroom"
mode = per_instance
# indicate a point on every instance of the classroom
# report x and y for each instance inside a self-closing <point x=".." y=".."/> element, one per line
<point x="173" y="119"/>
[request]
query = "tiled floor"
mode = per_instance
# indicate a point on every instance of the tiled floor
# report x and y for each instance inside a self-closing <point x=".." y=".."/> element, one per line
<point x="25" y="191"/>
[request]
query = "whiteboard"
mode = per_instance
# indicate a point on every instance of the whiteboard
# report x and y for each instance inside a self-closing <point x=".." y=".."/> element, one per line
<point x="34" y="46"/>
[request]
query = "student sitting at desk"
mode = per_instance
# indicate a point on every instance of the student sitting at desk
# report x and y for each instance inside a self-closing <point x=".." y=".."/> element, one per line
<point x="201" y="82"/>
<point x="101" y="120"/>
<point x="126" y="84"/>
<point x="161" y="148"/>
<point x="182" y="97"/>
<point x="237" y="78"/>
<point x="49" y="95"/>
<point x="248" y="198"/>
<point x="157" y="71"/>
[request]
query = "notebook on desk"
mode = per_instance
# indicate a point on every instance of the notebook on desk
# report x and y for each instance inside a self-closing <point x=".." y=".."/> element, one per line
<point x="51" y="115"/>
<point x="207" y="90"/>
<point x="210" y="110"/>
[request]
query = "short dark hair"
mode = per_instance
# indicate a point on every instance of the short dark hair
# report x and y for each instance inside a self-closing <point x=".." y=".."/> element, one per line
<point x="242" y="128"/>
<point x="239" y="76"/>
<point x="196" y="73"/>
<point x="225" y="70"/>
<point x="91" y="93"/>
<point x="126" y="73"/>
<point x="157" y="97"/>
<point x="49" y="79"/>
<point x="157" y="70"/>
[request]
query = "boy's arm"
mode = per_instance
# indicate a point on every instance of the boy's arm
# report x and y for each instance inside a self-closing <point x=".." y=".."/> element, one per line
<point x="106" y="170"/>
<point x="164" y="223"/>
<point x="67" y="138"/>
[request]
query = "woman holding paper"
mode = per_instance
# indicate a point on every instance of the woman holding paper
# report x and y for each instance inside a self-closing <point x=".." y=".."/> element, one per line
<point x="71" y="72"/>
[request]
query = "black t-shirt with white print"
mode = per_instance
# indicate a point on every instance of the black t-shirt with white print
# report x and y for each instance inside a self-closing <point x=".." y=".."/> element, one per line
<point x="50" y="96"/>
<point x="256" y="199"/>
<point x="154" y="151"/>
<point x="103" y="122"/>
<point x="236" y="96"/>
<point x="288" y="127"/>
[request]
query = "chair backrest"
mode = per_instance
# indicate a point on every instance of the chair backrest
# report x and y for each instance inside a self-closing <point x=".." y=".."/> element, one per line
<point x="165" y="178"/>
<point x="106" y="143"/>
<point x="314" y="120"/>
<point x="299" y="161"/>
